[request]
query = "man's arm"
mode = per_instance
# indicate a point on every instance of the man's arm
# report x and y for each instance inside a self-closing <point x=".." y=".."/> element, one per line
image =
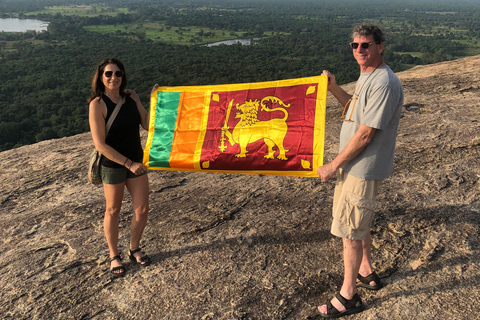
<point x="359" y="141"/>
<point x="341" y="95"/>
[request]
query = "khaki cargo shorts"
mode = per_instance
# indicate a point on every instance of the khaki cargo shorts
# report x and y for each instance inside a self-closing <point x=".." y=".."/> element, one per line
<point x="353" y="206"/>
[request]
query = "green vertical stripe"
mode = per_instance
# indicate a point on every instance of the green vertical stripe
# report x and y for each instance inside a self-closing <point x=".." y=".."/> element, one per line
<point x="165" y="119"/>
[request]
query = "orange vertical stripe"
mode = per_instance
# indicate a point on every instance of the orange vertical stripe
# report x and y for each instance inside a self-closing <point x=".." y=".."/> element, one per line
<point x="187" y="130"/>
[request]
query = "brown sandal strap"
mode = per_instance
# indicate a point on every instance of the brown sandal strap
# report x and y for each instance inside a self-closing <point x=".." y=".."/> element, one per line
<point x="135" y="251"/>
<point x="349" y="304"/>
<point x="116" y="257"/>
<point x="371" y="277"/>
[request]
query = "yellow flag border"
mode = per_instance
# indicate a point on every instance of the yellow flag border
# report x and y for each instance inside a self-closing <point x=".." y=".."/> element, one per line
<point x="151" y="127"/>
<point x="319" y="126"/>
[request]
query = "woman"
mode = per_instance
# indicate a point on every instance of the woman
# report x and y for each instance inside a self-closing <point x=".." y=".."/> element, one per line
<point x="121" y="165"/>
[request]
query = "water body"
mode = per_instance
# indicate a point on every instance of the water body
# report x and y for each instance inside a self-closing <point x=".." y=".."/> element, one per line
<point x="22" y="25"/>
<point x="243" y="42"/>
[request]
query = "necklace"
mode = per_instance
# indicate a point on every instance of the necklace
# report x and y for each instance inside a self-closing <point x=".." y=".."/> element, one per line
<point x="355" y="96"/>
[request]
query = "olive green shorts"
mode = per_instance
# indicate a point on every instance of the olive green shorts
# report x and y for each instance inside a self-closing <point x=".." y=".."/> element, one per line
<point x="353" y="206"/>
<point x="117" y="175"/>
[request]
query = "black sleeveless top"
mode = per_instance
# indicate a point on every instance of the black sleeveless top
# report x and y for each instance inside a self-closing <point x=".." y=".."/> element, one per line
<point x="124" y="135"/>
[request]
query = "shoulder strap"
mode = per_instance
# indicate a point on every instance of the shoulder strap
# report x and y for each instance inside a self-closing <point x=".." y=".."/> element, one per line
<point x="114" y="115"/>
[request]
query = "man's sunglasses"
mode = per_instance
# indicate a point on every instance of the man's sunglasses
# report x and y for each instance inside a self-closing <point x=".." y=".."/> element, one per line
<point x="364" y="45"/>
<point x="109" y="74"/>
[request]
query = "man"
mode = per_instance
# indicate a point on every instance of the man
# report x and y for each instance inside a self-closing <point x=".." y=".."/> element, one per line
<point x="367" y="146"/>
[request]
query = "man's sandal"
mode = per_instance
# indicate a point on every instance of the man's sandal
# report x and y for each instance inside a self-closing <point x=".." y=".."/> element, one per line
<point x="143" y="261"/>
<point x="352" y="306"/>
<point x="121" y="268"/>
<point x="365" y="282"/>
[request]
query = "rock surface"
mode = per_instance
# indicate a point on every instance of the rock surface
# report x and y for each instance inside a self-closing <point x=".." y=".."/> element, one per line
<point x="254" y="247"/>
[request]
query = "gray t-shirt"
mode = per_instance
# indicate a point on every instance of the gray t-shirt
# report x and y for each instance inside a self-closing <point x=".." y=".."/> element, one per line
<point x="379" y="106"/>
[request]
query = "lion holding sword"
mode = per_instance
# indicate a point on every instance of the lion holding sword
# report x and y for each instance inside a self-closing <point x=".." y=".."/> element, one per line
<point x="250" y="129"/>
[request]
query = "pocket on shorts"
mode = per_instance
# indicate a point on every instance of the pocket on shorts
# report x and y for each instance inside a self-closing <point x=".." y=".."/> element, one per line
<point x="358" y="211"/>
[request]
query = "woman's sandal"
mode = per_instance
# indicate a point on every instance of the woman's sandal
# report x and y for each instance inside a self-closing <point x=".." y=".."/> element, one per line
<point x="365" y="282"/>
<point x="121" y="268"/>
<point x="352" y="306"/>
<point x="143" y="261"/>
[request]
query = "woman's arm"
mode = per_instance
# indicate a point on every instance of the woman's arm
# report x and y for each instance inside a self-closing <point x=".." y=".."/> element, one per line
<point x="141" y="110"/>
<point x="144" y="114"/>
<point x="97" y="113"/>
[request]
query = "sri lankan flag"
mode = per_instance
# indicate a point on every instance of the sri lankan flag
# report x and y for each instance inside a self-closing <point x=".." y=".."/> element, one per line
<point x="275" y="128"/>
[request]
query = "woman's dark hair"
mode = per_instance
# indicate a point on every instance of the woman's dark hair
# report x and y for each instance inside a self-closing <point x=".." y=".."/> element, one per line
<point x="367" y="29"/>
<point x="97" y="84"/>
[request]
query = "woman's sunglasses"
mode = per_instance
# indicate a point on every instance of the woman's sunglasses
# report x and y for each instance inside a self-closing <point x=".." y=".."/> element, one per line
<point x="109" y="74"/>
<point x="364" y="45"/>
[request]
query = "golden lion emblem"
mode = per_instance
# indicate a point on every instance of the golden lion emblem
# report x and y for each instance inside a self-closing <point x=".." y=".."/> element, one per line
<point x="249" y="129"/>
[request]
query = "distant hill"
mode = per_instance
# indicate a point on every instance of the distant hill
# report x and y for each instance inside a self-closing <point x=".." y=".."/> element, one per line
<point x="254" y="247"/>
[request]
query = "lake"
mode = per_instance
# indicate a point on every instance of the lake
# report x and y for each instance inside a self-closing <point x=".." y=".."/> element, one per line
<point x="22" y="25"/>
<point x="244" y="42"/>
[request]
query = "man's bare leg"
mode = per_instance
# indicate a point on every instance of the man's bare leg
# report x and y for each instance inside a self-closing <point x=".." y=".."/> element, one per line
<point x="352" y="259"/>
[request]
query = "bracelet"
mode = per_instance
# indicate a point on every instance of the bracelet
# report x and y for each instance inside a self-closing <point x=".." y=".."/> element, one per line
<point x="131" y="164"/>
<point x="126" y="159"/>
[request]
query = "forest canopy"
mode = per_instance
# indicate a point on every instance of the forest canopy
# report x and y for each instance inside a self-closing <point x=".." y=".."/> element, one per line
<point x="46" y="76"/>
